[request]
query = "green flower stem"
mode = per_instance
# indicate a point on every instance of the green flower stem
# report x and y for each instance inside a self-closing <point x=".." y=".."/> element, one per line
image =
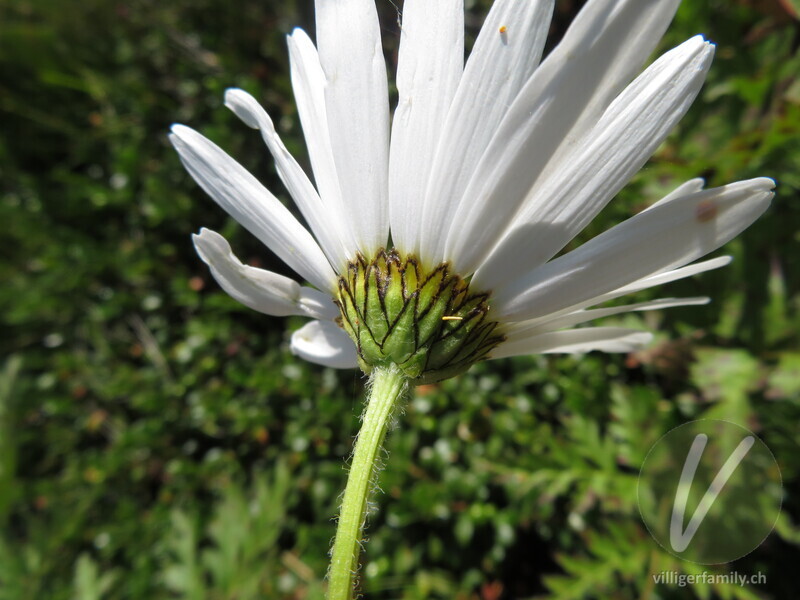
<point x="386" y="387"/>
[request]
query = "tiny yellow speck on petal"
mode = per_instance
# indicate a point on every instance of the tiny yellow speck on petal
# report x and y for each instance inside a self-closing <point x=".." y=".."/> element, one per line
<point x="503" y="29"/>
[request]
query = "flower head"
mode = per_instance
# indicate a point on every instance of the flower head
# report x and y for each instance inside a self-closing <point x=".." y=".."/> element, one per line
<point x="432" y="235"/>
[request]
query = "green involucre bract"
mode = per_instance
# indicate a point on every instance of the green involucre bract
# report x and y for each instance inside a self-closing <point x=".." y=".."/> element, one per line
<point x="427" y="322"/>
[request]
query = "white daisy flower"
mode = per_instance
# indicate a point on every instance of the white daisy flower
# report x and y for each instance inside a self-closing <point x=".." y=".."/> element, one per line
<point x="431" y="235"/>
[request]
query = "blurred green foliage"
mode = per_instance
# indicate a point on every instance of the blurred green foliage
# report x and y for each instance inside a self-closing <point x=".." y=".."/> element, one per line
<point x="158" y="441"/>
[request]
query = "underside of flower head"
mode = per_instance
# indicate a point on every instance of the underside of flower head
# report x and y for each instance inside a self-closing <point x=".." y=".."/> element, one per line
<point x="426" y="321"/>
<point x="484" y="173"/>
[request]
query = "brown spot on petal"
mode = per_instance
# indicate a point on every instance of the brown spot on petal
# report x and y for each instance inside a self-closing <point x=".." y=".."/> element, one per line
<point x="706" y="211"/>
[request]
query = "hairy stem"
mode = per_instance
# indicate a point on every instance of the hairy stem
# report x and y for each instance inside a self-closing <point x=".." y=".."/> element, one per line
<point x="387" y="385"/>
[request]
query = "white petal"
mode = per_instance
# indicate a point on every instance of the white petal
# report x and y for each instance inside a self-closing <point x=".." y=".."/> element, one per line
<point x="661" y="278"/>
<point x="357" y="103"/>
<point x="253" y="206"/>
<point x="429" y="66"/>
<point x="498" y="66"/>
<point x="684" y="189"/>
<point x="604" y="47"/>
<point x="261" y="290"/>
<point x="659" y="239"/>
<point x="326" y="224"/>
<point x="570" y="193"/>
<point x="324" y="343"/>
<point x="637" y="286"/>
<point x="574" y="341"/>
<point x="308" y="83"/>
<point x="522" y="329"/>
